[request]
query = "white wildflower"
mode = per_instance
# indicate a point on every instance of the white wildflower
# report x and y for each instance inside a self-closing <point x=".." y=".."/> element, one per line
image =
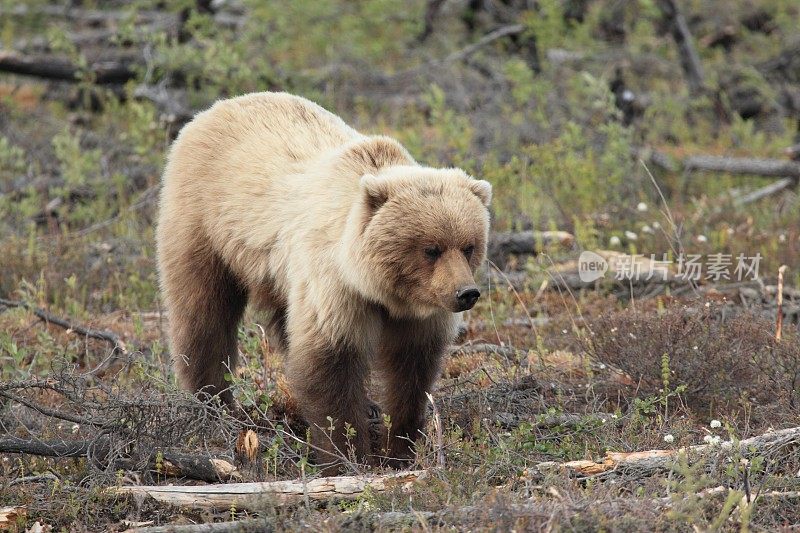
<point x="702" y="238"/>
<point x="641" y="207"/>
<point x="708" y="438"/>
<point x="76" y="428"/>
<point x="657" y="224"/>
<point x="782" y="237"/>
<point x="669" y="439"/>
<point x="631" y="236"/>
<point x="647" y="229"/>
<point x="614" y="241"/>
<point x="716" y="424"/>
<point x="694" y="348"/>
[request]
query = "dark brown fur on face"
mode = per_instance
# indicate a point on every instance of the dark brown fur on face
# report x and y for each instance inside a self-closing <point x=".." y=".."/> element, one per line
<point x="432" y="261"/>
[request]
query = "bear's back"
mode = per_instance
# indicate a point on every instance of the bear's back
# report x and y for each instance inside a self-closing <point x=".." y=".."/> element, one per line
<point x="256" y="133"/>
<point x="303" y="128"/>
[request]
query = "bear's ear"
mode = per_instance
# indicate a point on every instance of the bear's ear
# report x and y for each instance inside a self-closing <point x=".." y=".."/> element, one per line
<point x="482" y="189"/>
<point x="376" y="191"/>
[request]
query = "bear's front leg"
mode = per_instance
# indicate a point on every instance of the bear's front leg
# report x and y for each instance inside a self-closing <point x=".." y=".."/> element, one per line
<point x="328" y="381"/>
<point x="410" y="358"/>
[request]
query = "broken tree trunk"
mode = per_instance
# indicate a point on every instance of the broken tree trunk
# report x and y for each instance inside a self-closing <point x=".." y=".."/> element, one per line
<point x="117" y="71"/>
<point x="175" y="464"/>
<point x="254" y="495"/>
<point x="773" y="168"/>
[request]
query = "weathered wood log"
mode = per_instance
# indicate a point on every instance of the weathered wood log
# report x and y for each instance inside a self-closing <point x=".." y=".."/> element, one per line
<point x="254" y="495"/>
<point x="43" y="448"/>
<point x="653" y="461"/>
<point x="169" y="463"/>
<point x="690" y="60"/>
<point x="774" y="168"/>
<point x="254" y="525"/>
<point x="117" y="71"/>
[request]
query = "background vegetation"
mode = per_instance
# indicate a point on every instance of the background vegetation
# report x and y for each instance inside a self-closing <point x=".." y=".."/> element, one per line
<point x="580" y="114"/>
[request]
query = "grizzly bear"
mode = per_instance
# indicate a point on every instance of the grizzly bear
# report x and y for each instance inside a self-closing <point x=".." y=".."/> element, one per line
<point x="361" y="256"/>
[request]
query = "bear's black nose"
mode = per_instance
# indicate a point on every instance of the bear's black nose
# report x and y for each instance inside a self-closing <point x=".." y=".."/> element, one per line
<point x="467" y="297"/>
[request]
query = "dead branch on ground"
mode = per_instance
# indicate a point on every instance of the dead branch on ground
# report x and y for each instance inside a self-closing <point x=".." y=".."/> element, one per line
<point x="489" y="38"/>
<point x="763" y="192"/>
<point x="148" y="433"/>
<point x="49" y="318"/>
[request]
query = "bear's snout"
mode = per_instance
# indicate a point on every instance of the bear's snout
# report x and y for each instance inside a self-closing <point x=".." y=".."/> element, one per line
<point x="466" y="298"/>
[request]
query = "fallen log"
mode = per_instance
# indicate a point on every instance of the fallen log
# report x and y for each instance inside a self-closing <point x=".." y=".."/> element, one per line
<point x="653" y="461"/>
<point x="166" y="463"/>
<point x="43" y="448"/>
<point x="117" y="71"/>
<point x="773" y="168"/>
<point x="255" y="495"/>
<point x="251" y="525"/>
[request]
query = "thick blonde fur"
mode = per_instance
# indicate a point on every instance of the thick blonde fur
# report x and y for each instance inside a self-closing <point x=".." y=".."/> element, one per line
<point x="357" y="252"/>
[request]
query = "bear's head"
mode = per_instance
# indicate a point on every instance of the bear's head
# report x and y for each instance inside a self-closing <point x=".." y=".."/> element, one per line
<point x="422" y="235"/>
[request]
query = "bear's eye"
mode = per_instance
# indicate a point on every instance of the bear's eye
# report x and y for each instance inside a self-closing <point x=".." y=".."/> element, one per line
<point x="433" y="252"/>
<point x="468" y="251"/>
